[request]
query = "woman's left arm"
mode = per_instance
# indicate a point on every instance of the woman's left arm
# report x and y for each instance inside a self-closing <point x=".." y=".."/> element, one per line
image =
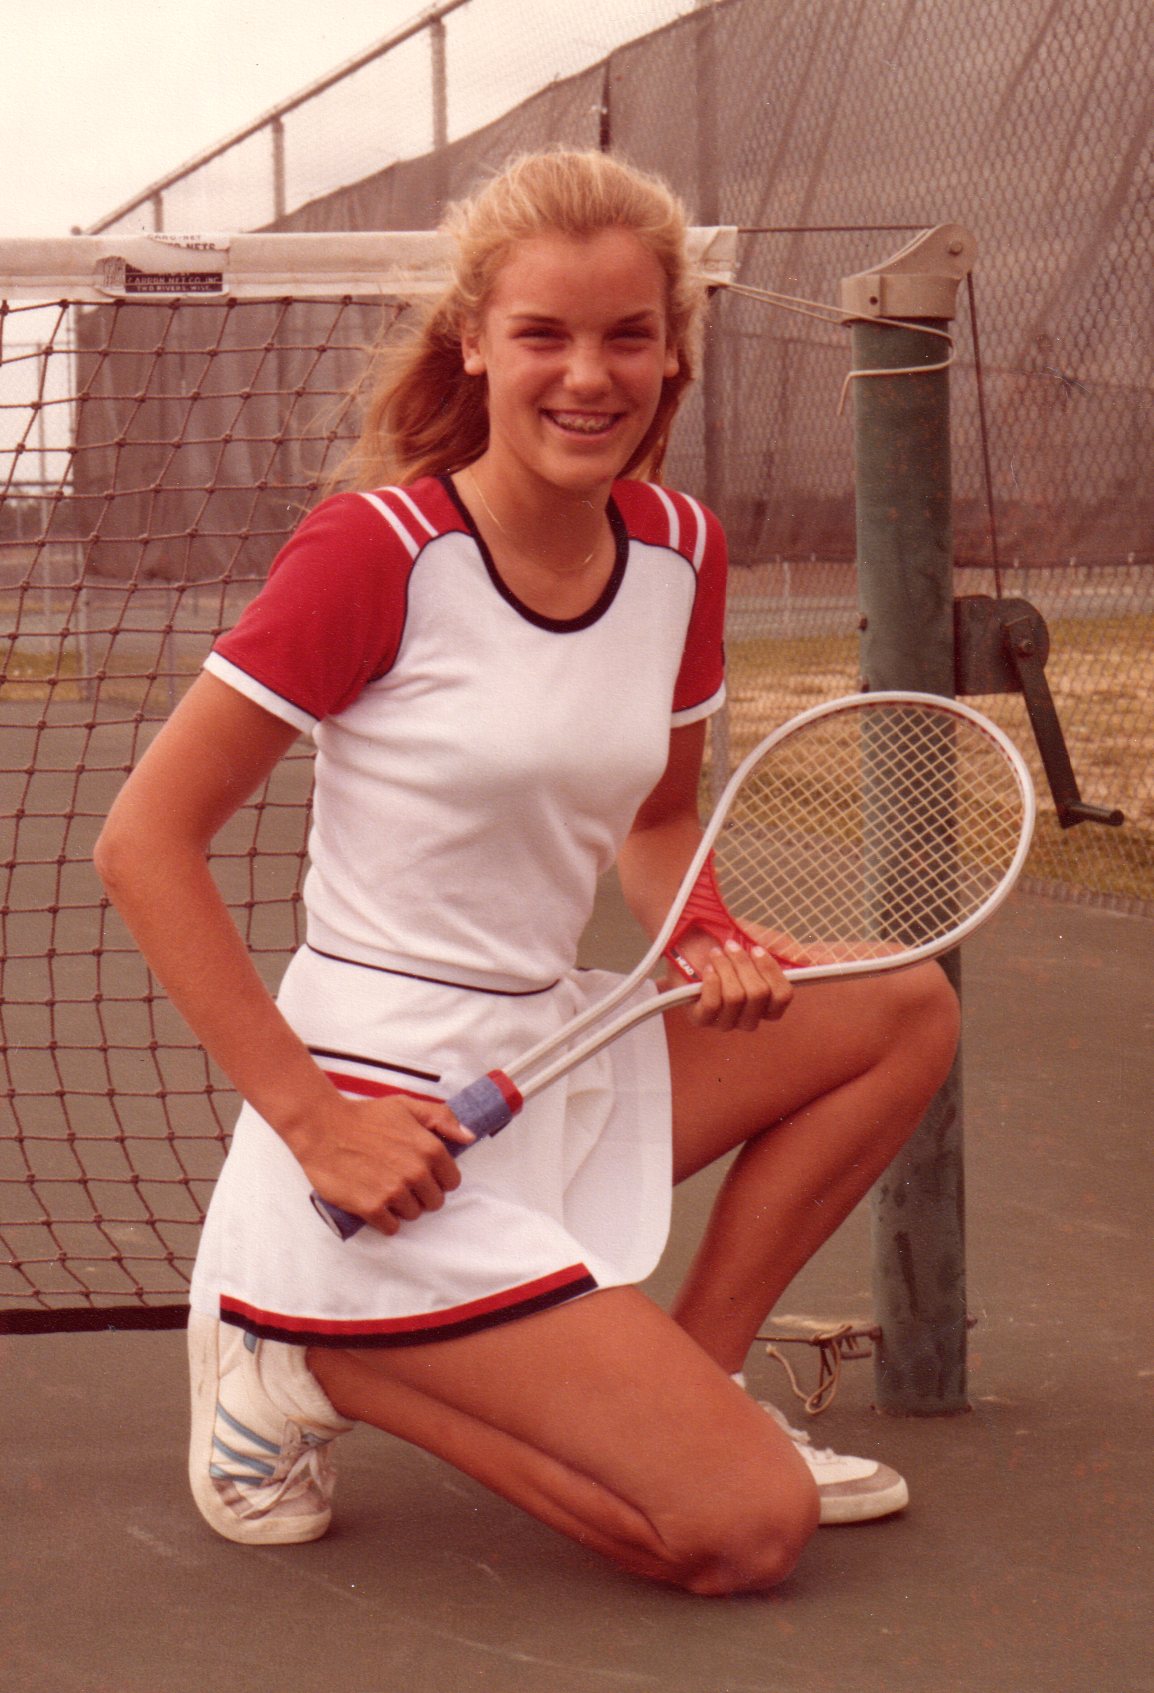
<point x="740" y="988"/>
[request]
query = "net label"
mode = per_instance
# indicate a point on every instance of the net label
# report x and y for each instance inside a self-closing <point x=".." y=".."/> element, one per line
<point x="120" y="277"/>
<point x="192" y="243"/>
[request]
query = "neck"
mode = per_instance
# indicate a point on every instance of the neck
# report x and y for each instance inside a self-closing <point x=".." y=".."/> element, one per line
<point x="561" y="533"/>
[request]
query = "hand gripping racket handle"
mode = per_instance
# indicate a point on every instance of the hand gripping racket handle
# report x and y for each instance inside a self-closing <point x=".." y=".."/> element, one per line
<point x="484" y="1106"/>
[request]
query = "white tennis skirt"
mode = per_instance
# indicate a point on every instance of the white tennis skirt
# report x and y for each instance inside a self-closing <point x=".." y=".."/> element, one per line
<point x="572" y="1196"/>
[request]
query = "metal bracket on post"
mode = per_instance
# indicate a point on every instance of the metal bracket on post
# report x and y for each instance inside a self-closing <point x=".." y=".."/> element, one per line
<point x="1001" y="647"/>
<point x="920" y="281"/>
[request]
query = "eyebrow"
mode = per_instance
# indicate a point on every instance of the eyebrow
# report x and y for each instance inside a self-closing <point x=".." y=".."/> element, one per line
<point x="647" y="314"/>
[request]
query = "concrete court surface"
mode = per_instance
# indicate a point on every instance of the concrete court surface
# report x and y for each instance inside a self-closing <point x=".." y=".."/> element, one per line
<point x="1023" y="1563"/>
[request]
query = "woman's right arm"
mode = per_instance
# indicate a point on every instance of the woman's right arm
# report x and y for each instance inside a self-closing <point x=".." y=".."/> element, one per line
<point x="383" y="1159"/>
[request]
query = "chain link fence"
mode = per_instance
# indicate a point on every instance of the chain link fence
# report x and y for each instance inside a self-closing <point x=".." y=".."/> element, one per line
<point x="446" y="74"/>
<point x="831" y="132"/>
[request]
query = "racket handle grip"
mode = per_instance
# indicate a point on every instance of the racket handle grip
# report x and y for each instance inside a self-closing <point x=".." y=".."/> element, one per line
<point x="484" y="1106"/>
<point x="344" y="1224"/>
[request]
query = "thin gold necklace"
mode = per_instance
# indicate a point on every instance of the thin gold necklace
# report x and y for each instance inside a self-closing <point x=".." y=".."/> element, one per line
<point x="471" y="474"/>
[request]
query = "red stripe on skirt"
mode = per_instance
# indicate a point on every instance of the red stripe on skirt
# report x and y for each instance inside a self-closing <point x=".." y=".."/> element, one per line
<point x="476" y="1314"/>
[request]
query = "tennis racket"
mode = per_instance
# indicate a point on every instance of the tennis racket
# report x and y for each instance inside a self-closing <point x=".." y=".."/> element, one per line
<point x="863" y="835"/>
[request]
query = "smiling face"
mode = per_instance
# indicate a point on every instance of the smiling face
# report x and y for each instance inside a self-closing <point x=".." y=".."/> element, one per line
<point x="573" y="344"/>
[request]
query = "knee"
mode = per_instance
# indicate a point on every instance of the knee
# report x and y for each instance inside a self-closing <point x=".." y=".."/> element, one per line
<point x="926" y="1020"/>
<point x="751" y="1547"/>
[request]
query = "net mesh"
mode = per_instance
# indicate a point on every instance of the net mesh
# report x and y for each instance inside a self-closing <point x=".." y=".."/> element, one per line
<point x="164" y="452"/>
<point x="154" y="455"/>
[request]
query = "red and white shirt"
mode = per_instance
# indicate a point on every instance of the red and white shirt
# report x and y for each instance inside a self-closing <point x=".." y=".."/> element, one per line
<point x="478" y="764"/>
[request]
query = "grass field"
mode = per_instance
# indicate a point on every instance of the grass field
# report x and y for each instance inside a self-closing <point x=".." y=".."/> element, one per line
<point x="1101" y="674"/>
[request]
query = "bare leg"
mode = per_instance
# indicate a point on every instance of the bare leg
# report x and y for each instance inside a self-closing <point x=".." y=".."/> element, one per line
<point x="822" y="1100"/>
<point x="612" y="1422"/>
<point x="605" y="1421"/>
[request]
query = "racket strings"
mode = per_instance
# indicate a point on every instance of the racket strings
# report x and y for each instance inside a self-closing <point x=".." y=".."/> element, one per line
<point x="868" y="832"/>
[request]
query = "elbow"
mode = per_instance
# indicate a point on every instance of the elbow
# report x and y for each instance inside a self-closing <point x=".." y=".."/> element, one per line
<point x="124" y="853"/>
<point x="138" y="855"/>
<point x="109" y="858"/>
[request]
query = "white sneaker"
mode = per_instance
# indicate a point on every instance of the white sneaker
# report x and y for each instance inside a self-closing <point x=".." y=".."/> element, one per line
<point x="851" y="1490"/>
<point x="259" y="1460"/>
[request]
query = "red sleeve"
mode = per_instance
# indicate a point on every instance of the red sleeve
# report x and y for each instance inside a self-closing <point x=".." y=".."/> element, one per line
<point x="700" y="685"/>
<point x="329" y="618"/>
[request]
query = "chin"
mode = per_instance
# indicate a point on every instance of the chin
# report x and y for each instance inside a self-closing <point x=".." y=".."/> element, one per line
<point x="588" y="467"/>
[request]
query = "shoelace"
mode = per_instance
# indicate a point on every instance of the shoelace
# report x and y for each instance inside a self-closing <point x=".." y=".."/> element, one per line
<point x="300" y="1468"/>
<point x="302" y="1465"/>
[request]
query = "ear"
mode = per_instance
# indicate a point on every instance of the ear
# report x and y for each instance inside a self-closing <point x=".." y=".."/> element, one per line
<point x="672" y="362"/>
<point x="472" y="358"/>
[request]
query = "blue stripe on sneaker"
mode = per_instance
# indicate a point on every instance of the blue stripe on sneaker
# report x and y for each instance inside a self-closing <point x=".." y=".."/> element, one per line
<point x="219" y="1473"/>
<point x="257" y="1465"/>
<point x="268" y="1446"/>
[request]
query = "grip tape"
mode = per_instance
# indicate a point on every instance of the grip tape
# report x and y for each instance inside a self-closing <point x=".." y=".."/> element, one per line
<point x="485" y="1106"/>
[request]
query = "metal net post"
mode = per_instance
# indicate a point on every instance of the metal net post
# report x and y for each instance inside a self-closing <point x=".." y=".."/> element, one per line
<point x="905" y="568"/>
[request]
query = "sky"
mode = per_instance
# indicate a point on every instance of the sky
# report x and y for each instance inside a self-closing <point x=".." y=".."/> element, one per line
<point x="99" y="98"/>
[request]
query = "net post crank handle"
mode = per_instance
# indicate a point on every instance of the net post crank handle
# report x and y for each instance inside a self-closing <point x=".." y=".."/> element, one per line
<point x="1001" y="646"/>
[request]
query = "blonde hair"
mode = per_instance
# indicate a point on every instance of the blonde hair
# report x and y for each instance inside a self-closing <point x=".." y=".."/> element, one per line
<point x="424" y="415"/>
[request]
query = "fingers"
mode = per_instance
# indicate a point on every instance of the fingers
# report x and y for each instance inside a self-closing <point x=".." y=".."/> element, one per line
<point x="411" y="1177"/>
<point x="441" y="1121"/>
<point x="388" y="1161"/>
<point x="741" y="989"/>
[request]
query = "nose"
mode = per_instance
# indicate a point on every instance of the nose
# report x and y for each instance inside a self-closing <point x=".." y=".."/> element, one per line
<point x="587" y="374"/>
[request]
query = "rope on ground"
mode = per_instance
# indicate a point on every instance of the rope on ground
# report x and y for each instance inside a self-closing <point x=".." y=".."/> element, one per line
<point x="841" y="1344"/>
